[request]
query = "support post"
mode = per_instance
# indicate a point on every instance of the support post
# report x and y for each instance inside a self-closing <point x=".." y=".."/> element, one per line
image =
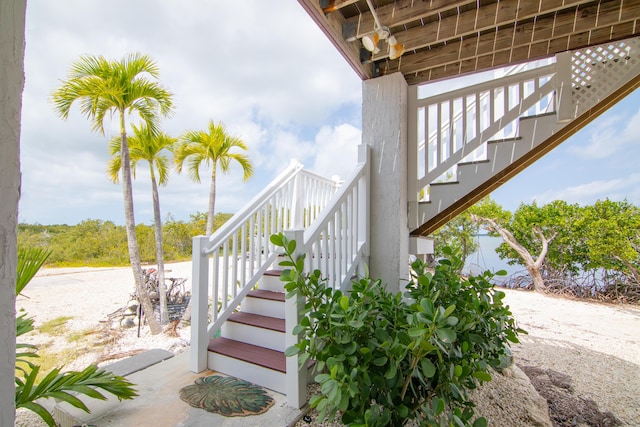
<point x="297" y="214"/>
<point x="384" y="129"/>
<point x="296" y="376"/>
<point x="199" y="304"/>
<point x="364" y="232"/>
<point x="564" y="101"/>
<point x="12" y="21"/>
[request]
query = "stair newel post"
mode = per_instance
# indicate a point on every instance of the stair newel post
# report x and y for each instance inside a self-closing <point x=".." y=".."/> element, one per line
<point x="296" y="378"/>
<point x="297" y="204"/>
<point x="199" y="306"/>
<point x="564" y="101"/>
<point x="364" y="155"/>
<point x="412" y="157"/>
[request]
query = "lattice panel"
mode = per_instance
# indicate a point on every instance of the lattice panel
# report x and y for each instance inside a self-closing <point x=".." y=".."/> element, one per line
<point x="599" y="70"/>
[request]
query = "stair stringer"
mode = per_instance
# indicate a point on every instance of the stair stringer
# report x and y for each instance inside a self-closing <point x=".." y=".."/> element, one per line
<point x="533" y="131"/>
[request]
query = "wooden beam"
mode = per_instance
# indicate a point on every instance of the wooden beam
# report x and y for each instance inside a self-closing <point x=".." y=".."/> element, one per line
<point x="492" y="16"/>
<point x="331" y="26"/>
<point x="402" y="12"/>
<point x="534" y="39"/>
<point x="333" y="5"/>
<point x="525" y="53"/>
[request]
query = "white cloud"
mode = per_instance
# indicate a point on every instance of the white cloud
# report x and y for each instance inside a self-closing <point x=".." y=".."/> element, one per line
<point x="586" y="194"/>
<point x="609" y="135"/>
<point x="337" y="150"/>
<point x="268" y="73"/>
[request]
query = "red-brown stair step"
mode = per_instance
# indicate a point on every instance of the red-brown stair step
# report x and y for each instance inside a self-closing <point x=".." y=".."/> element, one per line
<point x="260" y="356"/>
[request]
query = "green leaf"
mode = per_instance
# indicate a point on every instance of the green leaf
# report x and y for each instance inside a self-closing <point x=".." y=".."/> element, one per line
<point x="291" y="247"/>
<point x="277" y="239"/>
<point x="427" y="367"/>
<point x="480" y="422"/>
<point x="344" y="302"/>
<point x="403" y="411"/>
<point x="437" y="405"/>
<point x="446" y="335"/>
<point x="291" y="351"/>
<point x="392" y="371"/>
<point x="483" y="376"/>
<point x="380" y="361"/>
<point x="457" y="371"/>
<point x="449" y="310"/>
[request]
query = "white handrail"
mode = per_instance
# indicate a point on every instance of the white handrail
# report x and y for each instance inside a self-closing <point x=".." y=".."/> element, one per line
<point x="466" y="118"/>
<point x="337" y="242"/>
<point x="230" y="262"/>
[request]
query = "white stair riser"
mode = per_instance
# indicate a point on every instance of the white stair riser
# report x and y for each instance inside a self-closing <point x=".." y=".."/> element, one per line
<point x="264" y="307"/>
<point x="271" y="283"/>
<point x="255" y="374"/>
<point x="254" y="335"/>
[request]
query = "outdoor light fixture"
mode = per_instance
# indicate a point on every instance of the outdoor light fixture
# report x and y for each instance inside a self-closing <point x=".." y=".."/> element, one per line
<point x="370" y="40"/>
<point x="395" y="49"/>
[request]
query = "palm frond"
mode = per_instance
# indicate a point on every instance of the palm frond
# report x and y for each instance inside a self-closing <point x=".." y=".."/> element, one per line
<point x="60" y="385"/>
<point x="29" y="262"/>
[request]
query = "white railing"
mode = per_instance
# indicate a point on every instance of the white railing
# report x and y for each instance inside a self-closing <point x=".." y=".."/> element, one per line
<point x="337" y="244"/>
<point x="230" y="262"/>
<point x="458" y="123"/>
<point x="330" y="223"/>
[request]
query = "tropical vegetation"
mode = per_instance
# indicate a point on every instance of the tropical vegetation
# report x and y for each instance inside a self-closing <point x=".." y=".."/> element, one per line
<point x="385" y="359"/>
<point x="215" y="148"/>
<point x="99" y="243"/>
<point x="121" y="87"/>
<point x="588" y="251"/>
<point x="151" y="146"/>
<point x="56" y="384"/>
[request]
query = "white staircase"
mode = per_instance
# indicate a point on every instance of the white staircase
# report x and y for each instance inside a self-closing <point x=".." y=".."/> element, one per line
<point x="501" y="153"/>
<point x="241" y="323"/>
<point x="252" y="341"/>
<point x="465" y="143"/>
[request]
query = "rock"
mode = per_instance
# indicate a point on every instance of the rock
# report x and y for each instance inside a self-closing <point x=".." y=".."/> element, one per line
<point x="510" y="399"/>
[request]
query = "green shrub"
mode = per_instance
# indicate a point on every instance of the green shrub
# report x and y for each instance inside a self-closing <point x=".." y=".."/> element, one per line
<point x="384" y="359"/>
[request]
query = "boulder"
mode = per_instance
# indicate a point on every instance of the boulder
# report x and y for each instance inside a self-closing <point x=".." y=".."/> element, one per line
<point x="510" y="399"/>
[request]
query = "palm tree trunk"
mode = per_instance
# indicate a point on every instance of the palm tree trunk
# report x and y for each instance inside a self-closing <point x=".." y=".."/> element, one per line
<point x="130" y="226"/>
<point x="157" y="223"/>
<point x="212" y="202"/>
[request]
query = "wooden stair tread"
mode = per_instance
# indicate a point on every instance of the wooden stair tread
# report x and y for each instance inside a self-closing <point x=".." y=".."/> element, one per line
<point x="258" y="321"/>
<point x="260" y="356"/>
<point x="275" y="273"/>
<point x="270" y="295"/>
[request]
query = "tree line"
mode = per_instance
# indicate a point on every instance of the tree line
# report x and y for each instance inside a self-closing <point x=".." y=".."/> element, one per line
<point x="97" y="243"/>
<point x="588" y="251"/>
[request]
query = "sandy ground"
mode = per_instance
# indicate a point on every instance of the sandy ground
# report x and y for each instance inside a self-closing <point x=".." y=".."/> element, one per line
<point x="596" y="345"/>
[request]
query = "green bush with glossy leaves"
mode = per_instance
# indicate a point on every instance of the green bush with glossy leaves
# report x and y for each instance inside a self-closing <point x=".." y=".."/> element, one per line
<point x="386" y="359"/>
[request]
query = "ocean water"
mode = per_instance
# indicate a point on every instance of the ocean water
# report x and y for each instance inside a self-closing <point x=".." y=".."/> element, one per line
<point x="486" y="258"/>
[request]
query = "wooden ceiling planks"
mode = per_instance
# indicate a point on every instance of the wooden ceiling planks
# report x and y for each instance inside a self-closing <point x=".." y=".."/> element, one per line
<point x="445" y="38"/>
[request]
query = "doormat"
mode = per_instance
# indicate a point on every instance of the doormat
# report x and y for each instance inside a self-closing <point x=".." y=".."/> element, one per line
<point x="228" y="396"/>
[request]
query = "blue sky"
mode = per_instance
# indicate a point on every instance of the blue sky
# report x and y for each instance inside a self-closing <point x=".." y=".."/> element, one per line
<point x="275" y="80"/>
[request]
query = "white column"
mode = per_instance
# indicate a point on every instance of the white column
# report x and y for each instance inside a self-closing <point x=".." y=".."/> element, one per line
<point x="199" y="303"/>
<point x="12" y="17"/>
<point x="564" y="107"/>
<point x="384" y="129"/>
<point x="296" y="378"/>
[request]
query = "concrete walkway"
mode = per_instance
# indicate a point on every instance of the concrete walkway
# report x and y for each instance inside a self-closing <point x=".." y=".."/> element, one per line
<point x="159" y="403"/>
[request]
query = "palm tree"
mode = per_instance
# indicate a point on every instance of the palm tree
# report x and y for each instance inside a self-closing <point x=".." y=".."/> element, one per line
<point x="119" y="87"/>
<point x="213" y="147"/>
<point x="150" y="146"/>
